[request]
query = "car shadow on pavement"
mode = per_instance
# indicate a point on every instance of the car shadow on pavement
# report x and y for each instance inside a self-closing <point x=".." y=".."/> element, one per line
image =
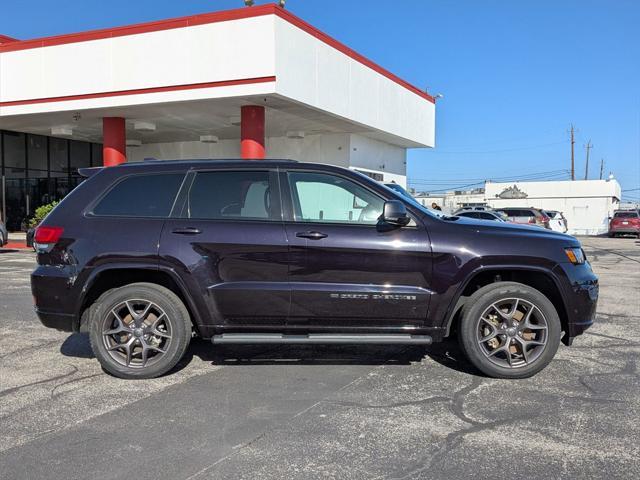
<point x="77" y="345"/>
<point x="445" y="353"/>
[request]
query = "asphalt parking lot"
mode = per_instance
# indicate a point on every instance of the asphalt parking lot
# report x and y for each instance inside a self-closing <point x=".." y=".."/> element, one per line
<point x="330" y="412"/>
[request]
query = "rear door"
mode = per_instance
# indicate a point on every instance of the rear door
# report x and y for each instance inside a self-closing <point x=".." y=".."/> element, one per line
<point x="229" y="246"/>
<point x="347" y="270"/>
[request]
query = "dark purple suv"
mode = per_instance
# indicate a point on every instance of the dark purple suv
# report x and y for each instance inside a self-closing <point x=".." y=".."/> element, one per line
<point x="144" y="256"/>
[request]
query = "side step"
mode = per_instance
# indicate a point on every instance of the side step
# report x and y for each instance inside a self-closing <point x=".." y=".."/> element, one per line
<point x="321" y="338"/>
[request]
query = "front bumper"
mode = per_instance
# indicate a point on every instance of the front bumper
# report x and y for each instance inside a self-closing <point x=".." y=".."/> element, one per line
<point x="581" y="291"/>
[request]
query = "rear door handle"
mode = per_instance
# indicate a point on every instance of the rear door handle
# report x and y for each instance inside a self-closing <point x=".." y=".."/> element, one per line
<point x="312" y="235"/>
<point x="187" y="231"/>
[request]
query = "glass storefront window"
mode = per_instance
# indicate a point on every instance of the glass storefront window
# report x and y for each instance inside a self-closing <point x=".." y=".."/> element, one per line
<point x="58" y="157"/>
<point x="96" y="154"/>
<point x="14" y="154"/>
<point x="37" y="156"/>
<point x="80" y="156"/>
<point x="36" y="174"/>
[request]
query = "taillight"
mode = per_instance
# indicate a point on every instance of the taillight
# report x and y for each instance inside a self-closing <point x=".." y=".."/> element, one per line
<point x="47" y="235"/>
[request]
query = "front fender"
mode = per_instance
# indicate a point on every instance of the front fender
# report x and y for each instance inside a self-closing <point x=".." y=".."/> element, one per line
<point x="456" y="301"/>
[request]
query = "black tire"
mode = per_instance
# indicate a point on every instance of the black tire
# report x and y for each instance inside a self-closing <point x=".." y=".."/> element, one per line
<point x="612" y="235"/>
<point x="148" y="351"/>
<point x="504" y="358"/>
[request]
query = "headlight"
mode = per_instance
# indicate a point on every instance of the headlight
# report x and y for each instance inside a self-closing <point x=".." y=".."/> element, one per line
<point x="575" y="255"/>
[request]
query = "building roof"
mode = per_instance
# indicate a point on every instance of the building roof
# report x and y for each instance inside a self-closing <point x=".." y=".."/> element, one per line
<point x="201" y="19"/>
<point x="6" y="39"/>
<point x="191" y="75"/>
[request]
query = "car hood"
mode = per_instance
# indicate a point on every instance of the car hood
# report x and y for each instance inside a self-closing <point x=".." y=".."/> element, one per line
<point x="490" y="226"/>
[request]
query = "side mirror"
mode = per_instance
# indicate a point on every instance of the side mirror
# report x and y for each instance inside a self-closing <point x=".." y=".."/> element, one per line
<point x="395" y="213"/>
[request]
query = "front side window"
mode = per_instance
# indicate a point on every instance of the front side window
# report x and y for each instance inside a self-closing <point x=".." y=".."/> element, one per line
<point x="141" y="196"/>
<point x="231" y="195"/>
<point x="320" y="197"/>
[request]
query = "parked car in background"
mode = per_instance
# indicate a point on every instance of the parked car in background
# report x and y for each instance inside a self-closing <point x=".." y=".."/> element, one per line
<point x="476" y="207"/>
<point x="4" y="236"/>
<point x="529" y="216"/>
<point x="557" y="222"/>
<point x="625" y="222"/>
<point x="481" y="215"/>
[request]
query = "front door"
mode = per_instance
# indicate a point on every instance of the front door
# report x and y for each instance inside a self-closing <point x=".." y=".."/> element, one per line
<point x="347" y="269"/>
<point x="230" y="247"/>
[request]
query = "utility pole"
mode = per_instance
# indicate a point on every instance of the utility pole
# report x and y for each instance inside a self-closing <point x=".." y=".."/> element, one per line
<point x="588" y="146"/>
<point x="601" y="167"/>
<point x="573" y="169"/>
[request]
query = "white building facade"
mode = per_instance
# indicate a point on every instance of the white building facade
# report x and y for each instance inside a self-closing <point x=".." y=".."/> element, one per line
<point x="586" y="204"/>
<point x="254" y="82"/>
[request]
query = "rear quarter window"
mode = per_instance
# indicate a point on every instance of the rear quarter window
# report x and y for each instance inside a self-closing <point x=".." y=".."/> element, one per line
<point x="142" y="195"/>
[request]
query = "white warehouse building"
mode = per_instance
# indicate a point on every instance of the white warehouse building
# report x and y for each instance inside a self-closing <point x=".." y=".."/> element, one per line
<point x="254" y="82"/>
<point x="586" y="204"/>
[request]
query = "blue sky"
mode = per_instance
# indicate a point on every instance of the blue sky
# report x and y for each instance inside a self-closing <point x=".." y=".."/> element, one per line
<point x="514" y="74"/>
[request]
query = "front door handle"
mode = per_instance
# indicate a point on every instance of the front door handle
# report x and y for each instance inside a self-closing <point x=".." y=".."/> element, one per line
<point x="312" y="235"/>
<point x="187" y="231"/>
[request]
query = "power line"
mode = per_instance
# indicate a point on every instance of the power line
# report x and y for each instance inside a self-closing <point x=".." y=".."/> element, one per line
<point x="515" y="178"/>
<point x="524" y="175"/>
<point x="532" y="147"/>
<point x="563" y="176"/>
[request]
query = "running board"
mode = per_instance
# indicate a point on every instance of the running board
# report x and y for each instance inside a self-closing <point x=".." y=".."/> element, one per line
<point x="320" y="338"/>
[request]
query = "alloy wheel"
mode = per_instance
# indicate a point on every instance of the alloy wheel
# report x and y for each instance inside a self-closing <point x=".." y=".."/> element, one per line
<point x="136" y="333"/>
<point x="512" y="332"/>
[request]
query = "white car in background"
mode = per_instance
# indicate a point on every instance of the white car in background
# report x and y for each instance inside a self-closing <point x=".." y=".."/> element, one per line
<point x="557" y="222"/>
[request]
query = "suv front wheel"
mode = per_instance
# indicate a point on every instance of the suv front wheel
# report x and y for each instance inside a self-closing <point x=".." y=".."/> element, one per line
<point x="509" y="330"/>
<point x="140" y="330"/>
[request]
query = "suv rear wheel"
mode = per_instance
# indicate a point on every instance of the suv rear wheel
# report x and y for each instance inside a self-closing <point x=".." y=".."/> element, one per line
<point x="509" y="330"/>
<point x="139" y="331"/>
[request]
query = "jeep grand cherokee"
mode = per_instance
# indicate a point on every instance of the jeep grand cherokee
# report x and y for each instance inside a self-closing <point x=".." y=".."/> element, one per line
<point x="144" y="256"/>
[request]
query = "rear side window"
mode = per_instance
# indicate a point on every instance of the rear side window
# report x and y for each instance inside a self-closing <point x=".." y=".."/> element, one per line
<point x="231" y="195"/>
<point x="469" y="214"/>
<point x="141" y="196"/>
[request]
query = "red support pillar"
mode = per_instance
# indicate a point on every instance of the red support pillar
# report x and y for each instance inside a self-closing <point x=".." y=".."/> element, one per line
<point x="252" y="132"/>
<point x="114" y="141"/>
